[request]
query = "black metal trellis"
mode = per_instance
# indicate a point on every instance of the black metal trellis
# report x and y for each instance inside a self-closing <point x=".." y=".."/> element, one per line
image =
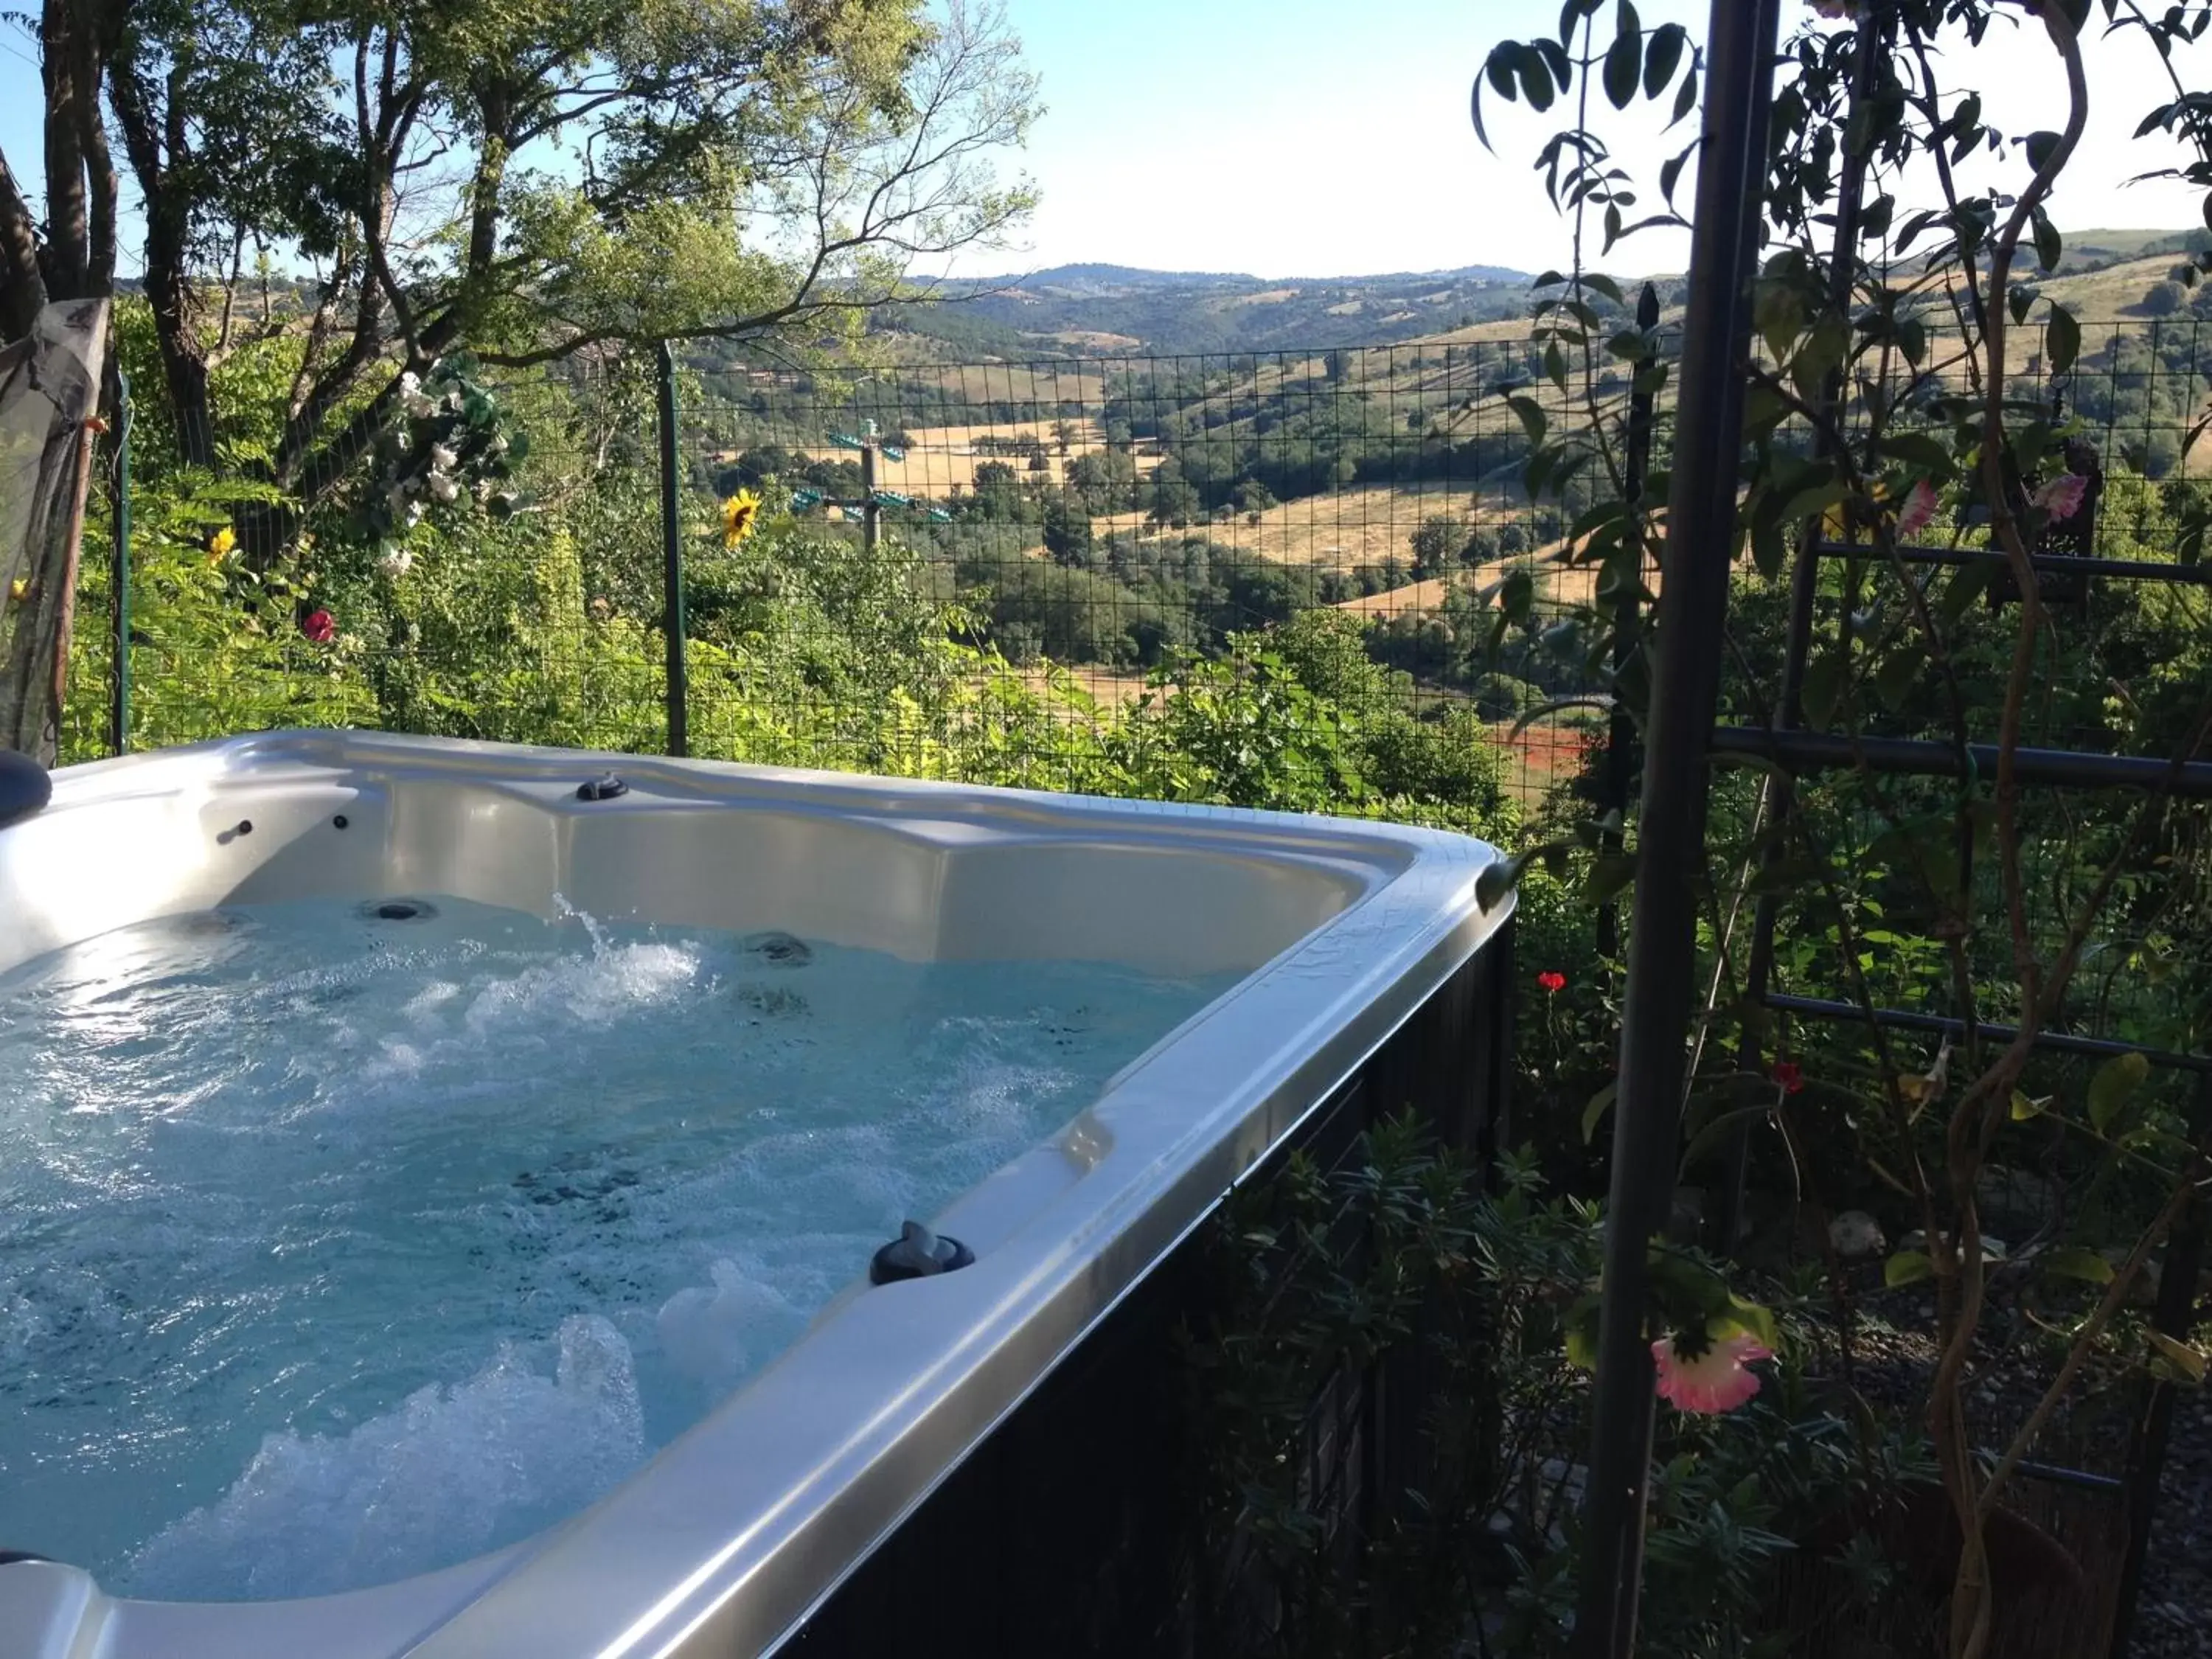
<point x="1683" y="736"/>
<point x="1684" y="691"/>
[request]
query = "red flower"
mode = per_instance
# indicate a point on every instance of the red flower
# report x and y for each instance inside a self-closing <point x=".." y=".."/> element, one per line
<point x="1790" y="1075"/>
<point x="1553" y="981"/>
<point x="319" y="626"/>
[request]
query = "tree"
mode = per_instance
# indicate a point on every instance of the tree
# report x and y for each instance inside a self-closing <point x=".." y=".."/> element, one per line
<point x="1068" y="532"/>
<point x="1254" y="498"/>
<point x="70" y="253"/>
<point x="1174" y="503"/>
<point x="523" y="184"/>
<point x="1440" y="543"/>
<point x="2162" y="300"/>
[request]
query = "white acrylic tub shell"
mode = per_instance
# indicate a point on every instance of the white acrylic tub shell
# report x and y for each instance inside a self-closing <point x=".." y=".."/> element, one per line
<point x="735" y="1531"/>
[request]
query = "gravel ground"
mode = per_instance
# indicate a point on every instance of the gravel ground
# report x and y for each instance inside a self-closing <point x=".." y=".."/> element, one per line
<point x="2173" y="1619"/>
<point x="2174" y="1611"/>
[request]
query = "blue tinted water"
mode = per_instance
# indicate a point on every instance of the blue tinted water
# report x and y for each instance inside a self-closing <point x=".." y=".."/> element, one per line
<point x="335" y="1248"/>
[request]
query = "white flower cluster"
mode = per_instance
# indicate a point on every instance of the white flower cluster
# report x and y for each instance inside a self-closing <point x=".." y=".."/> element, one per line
<point x="417" y="404"/>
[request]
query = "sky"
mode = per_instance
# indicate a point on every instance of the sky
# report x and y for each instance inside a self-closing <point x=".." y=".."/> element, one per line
<point x="1331" y="137"/>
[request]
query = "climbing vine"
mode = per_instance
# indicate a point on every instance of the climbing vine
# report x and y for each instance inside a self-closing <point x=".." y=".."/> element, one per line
<point x="1910" y="460"/>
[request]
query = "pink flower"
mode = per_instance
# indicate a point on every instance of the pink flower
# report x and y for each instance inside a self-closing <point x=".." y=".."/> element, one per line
<point x="319" y="626"/>
<point x="2062" y="498"/>
<point x="1715" y="1379"/>
<point x="1553" y="981"/>
<point x="1918" y="511"/>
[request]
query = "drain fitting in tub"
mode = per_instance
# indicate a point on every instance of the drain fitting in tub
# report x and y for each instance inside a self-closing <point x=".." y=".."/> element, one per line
<point x="917" y="1253"/>
<point x="396" y="909"/>
<point x="605" y="787"/>
<point x="780" y="950"/>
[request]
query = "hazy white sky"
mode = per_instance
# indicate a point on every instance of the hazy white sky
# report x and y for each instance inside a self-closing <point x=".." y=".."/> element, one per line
<point x="1321" y="137"/>
<point x="1317" y="138"/>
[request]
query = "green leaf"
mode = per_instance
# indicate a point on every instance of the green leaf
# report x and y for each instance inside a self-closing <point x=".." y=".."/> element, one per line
<point x="1557" y="705"/>
<point x="1814" y="500"/>
<point x="2072" y="1262"/>
<point x="1535" y="77"/>
<point x="2115" y="1080"/>
<point x="2039" y="146"/>
<point x="2024" y="1108"/>
<point x="2186" y="1359"/>
<point x="1501" y="875"/>
<point x="1968" y="583"/>
<point x="1912" y="340"/>
<point x="1899" y="673"/>
<point x="1670" y="171"/>
<point x="1609" y="873"/>
<point x="1534" y="421"/>
<point x="1582" y="1324"/>
<point x="2048" y="243"/>
<point x="1906" y="1267"/>
<point x="1516" y="593"/>
<point x="1497" y="70"/>
<point x="1686" y="99"/>
<point x="1751" y="1319"/>
<point x="2062" y="339"/>
<point x="1556" y="60"/>
<point x="1662" y="53"/>
<point x="1594" y="1113"/>
<point x="1624" y="59"/>
<point x="1824" y="686"/>
<point x="1686" y="1289"/>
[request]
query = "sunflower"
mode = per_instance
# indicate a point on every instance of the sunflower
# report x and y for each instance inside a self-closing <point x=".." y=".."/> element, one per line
<point x="740" y="517"/>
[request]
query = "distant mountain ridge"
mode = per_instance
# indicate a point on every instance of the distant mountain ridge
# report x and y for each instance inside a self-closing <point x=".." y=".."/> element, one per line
<point x="1083" y="309"/>
<point x="1102" y="309"/>
<point x="1110" y="276"/>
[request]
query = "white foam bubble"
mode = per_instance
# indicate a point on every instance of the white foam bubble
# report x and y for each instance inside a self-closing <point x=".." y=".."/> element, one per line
<point x="449" y="1474"/>
<point x="613" y="981"/>
<point x="716" y="1334"/>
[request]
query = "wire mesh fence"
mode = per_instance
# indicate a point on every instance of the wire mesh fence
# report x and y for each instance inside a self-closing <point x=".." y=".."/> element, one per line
<point x="1100" y="522"/>
<point x="1044" y="573"/>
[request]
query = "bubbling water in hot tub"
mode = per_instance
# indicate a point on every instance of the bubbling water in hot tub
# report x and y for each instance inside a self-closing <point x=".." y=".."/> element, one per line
<point x="338" y="1244"/>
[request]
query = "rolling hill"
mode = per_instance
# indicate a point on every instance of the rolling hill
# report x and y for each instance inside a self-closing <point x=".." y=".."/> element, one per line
<point x="1110" y="310"/>
<point x="1102" y="309"/>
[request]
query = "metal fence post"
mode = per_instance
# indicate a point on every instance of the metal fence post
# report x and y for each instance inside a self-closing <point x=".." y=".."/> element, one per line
<point x="871" y="510"/>
<point x="119" y="604"/>
<point x="677" y="693"/>
<point x="1684" y="691"/>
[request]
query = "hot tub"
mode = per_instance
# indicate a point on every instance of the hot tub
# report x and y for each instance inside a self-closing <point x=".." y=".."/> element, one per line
<point x="910" y="1455"/>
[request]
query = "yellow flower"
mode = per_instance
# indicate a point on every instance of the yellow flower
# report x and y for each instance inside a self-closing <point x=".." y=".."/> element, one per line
<point x="740" y="517"/>
<point x="19" y="589"/>
<point x="221" y="544"/>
